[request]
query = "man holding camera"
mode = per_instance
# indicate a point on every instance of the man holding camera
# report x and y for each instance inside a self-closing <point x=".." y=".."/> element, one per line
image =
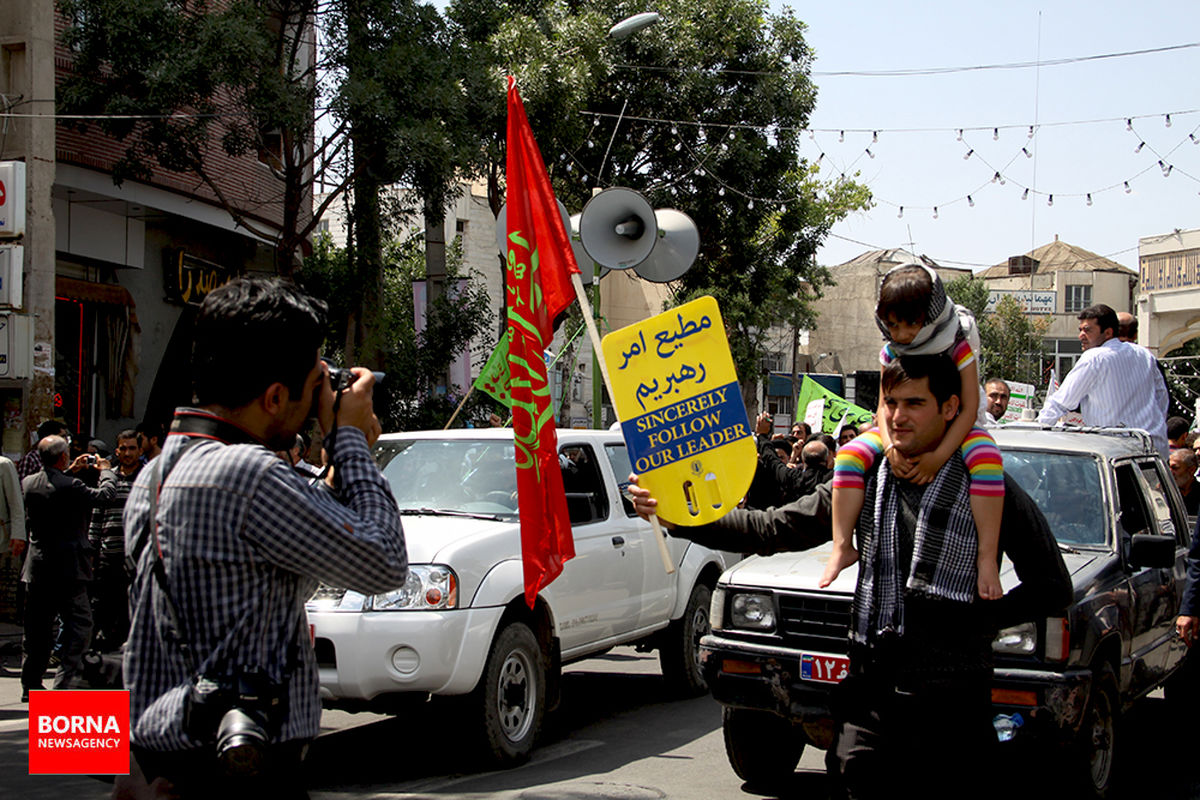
<point x="229" y="542"/>
<point x="59" y="564"/>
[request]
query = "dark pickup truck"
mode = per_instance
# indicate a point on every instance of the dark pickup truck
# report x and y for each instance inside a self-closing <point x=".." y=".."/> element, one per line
<point x="778" y="642"/>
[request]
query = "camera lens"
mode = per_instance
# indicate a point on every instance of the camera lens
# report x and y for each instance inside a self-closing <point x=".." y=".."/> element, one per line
<point x="241" y="743"/>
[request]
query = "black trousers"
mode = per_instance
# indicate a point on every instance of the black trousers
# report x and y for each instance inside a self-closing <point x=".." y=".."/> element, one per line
<point x="43" y="602"/>
<point x="195" y="774"/>
<point x="110" y="606"/>
<point x="932" y="736"/>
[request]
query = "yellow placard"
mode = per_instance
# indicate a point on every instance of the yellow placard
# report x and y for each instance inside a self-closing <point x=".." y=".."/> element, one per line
<point x="677" y="395"/>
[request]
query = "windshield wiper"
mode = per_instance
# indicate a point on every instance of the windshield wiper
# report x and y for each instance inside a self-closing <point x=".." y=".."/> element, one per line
<point x="448" y="512"/>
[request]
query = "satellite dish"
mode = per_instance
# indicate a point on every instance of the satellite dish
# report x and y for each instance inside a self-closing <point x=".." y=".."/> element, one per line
<point x="618" y="229"/>
<point x="676" y="250"/>
<point x="502" y="227"/>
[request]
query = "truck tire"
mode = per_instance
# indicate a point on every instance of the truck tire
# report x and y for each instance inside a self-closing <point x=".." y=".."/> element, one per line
<point x="1097" y="747"/>
<point x="763" y="748"/>
<point x="510" y="700"/>
<point x="679" y="651"/>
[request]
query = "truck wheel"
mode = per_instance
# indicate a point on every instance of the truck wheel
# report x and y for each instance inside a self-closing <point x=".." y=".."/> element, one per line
<point x="1096" y="748"/>
<point x="511" y="695"/>
<point x="763" y="748"/>
<point x="679" y="652"/>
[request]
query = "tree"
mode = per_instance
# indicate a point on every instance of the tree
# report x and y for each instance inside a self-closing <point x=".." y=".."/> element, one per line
<point x="1010" y="339"/>
<point x="181" y="80"/>
<point x="414" y="363"/>
<point x="702" y="112"/>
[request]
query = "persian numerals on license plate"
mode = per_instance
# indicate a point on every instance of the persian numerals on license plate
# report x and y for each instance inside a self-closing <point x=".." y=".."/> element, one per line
<point x="821" y="668"/>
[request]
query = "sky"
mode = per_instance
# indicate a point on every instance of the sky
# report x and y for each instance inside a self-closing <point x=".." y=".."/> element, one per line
<point x="926" y="168"/>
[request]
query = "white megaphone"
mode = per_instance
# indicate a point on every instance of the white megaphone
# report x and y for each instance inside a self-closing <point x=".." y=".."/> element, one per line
<point x="618" y="229"/>
<point x="676" y="250"/>
<point x="590" y="269"/>
<point x="581" y="257"/>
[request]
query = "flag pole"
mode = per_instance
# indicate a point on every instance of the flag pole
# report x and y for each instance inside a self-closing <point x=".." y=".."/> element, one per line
<point x="461" y="403"/>
<point x="586" y="307"/>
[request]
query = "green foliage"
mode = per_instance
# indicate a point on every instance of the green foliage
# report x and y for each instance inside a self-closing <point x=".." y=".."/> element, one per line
<point x="1183" y="378"/>
<point x="1010" y="340"/>
<point x="414" y="363"/>
<point x="735" y="78"/>
<point x="237" y="73"/>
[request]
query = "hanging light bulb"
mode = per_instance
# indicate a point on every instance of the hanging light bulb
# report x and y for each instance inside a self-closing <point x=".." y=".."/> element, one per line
<point x="1028" y="154"/>
<point x="1167" y="171"/>
<point x="869" y="153"/>
<point x="1168" y="120"/>
<point x="1129" y="123"/>
<point x="970" y="202"/>
<point x="750" y="204"/>
<point x="960" y="134"/>
<point x="595" y="120"/>
<point x="674" y="131"/>
<point x="724" y="147"/>
<point x="721" y="192"/>
<point x="1192" y="136"/>
<point x="995" y="134"/>
<point x="935" y="212"/>
<point x="820" y="157"/>
<point x="812" y="135"/>
<point x="1138" y="149"/>
<point x="968" y="155"/>
<point x="1127" y="188"/>
<point x="996" y="177"/>
<point x="1030" y="131"/>
<point x="700" y="172"/>
<point x="678" y="145"/>
<point x="874" y="137"/>
<point x="901" y="214"/>
<point x="1050" y="200"/>
<point x="1025" y="194"/>
<point x="841" y="136"/>
<point x="591" y="144"/>
<point x="1089" y="198"/>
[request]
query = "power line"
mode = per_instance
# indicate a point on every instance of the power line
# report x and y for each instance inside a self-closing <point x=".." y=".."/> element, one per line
<point x="921" y="71"/>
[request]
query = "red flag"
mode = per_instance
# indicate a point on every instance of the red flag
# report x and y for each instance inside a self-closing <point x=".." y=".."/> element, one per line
<point x="540" y="261"/>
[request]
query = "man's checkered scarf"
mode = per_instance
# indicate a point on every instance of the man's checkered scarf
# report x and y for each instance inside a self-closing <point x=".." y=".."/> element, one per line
<point x="944" y="550"/>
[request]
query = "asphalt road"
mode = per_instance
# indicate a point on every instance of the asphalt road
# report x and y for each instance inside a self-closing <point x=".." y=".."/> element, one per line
<point x="615" y="736"/>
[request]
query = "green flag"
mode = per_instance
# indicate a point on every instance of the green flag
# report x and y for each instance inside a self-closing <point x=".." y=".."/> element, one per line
<point x="493" y="378"/>
<point x="824" y="411"/>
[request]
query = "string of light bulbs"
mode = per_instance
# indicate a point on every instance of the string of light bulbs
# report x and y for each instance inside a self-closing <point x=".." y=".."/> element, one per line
<point x="998" y="175"/>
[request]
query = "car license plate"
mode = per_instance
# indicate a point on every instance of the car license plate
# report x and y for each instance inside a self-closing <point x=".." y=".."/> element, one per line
<point x="821" y="668"/>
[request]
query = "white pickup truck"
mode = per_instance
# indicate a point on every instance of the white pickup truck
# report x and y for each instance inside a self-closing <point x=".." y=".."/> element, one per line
<point x="461" y="626"/>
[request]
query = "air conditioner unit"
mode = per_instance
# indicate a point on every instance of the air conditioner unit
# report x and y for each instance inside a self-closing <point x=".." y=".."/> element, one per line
<point x="12" y="199"/>
<point x="16" y="346"/>
<point x="12" y="259"/>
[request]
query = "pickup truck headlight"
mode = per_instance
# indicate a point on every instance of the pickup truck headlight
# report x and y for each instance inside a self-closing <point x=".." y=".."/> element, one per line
<point x="752" y="611"/>
<point x="428" y="587"/>
<point x="1018" y="640"/>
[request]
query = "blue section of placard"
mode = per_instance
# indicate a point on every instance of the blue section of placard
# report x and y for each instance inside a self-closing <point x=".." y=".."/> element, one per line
<point x="686" y="428"/>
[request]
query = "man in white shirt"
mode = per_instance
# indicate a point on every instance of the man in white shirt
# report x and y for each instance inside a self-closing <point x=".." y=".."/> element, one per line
<point x="1114" y="383"/>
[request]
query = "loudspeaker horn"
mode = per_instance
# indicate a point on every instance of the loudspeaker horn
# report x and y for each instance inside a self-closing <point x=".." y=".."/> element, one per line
<point x="618" y="229"/>
<point x="590" y="269"/>
<point x="676" y="250"/>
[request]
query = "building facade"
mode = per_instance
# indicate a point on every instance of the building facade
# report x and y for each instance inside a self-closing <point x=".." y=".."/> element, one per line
<point x="112" y="274"/>
<point x="1056" y="281"/>
<point x="1168" y="300"/>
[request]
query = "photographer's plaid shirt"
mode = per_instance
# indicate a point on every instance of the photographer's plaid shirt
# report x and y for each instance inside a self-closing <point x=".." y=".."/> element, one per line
<point x="245" y="540"/>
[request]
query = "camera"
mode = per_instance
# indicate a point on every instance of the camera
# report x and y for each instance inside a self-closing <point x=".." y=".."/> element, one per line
<point x="341" y="378"/>
<point x="90" y="460"/>
<point x="237" y="717"/>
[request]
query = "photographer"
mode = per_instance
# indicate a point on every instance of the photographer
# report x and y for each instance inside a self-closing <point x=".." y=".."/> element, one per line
<point x="221" y="673"/>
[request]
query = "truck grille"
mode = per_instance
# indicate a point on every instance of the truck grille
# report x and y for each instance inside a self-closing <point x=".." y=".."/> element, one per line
<point x="811" y="622"/>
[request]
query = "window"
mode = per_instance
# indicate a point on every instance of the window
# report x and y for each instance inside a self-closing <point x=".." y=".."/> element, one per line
<point x="1078" y="298"/>
<point x="618" y="456"/>
<point x="584" y="487"/>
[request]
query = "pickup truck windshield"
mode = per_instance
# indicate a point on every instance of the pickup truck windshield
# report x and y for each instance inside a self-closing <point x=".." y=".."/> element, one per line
<point x="1066" y="488"/>
<point x="473" y="476"/>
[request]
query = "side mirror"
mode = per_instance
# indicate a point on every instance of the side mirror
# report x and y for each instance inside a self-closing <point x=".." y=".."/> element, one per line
<point x="1154" y="550"/>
